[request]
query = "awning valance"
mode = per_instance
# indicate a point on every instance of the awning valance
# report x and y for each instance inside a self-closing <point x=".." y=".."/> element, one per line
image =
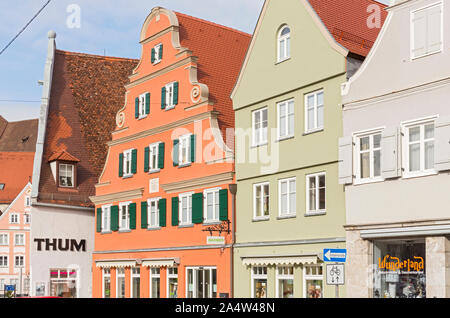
<point x="160" y="262"/>
<point x="282" y="260"/>
<point x="115" y="263"/>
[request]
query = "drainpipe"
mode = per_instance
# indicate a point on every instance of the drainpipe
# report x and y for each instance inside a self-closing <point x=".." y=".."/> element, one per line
<point x="233" y="190"/>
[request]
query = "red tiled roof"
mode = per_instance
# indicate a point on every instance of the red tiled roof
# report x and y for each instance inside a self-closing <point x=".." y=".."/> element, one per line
<point x="347" y="20"/>
<point x="63" y="156"/>
<point x="16" y="170"/>
<point x="19" y="136"/>
<point x="86" y="93"/>
<point x="221" y="52"/>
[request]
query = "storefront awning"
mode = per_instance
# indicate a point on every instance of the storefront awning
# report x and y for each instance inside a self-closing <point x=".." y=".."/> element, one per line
<point x="166" y="262"/>
<point x="281" y="260"/>
<point x="115" y="263"/>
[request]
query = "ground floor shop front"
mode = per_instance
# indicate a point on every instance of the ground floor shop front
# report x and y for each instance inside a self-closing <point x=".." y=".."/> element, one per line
<point x="283" y="270"/>
<point x="188" y="273"/>
<point x="407" y="262"/>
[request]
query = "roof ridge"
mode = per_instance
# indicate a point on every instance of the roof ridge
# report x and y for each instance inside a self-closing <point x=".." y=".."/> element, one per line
<point x="95" y="56"/>
<point x="213" y="24"/>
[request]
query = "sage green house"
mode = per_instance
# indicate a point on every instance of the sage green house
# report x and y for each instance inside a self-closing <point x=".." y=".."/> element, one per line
<point x="287" y="102"/>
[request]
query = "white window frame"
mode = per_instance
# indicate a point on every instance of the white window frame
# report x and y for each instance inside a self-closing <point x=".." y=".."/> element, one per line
<point x="215" y="205"/>
<point x="283" y="277"/>
<point x="149" y="202"/>
<point x="133" y="275"/>
<point x="170" y="92"/>
<point x="151" y="275"/>
<point x="312" y="277"/>
<point x="412" y="30"/>
<point x="142" y="101"/>
<point x="290" y="131"/>
<point x="127" y="158"/>
<point x="261" y="201"/>
<point x="156" y="57"/>
<point x="171" y="275"/>
<point x="289" y="208"/>
<point x="14" y="218"/>
<point x="119" y="275"/>
<point x="66" y="165"/>
<point x="357" y="136"/>
<point x="21" y="263"/>
<point x="184" y="144"/>
<point x="195" y="270"/>
<point x="254" y="276"/>
<point x="19" y="242"/>
<point x="2" y="263"/>
<point x="27" y="201"/>
<point x="27" y="218"/>
<point x="180" y="209"/>
<point x="106" y="218"/>
<point x="153" y="152"/>
<point x="316" y="126"/>
<point x="260" y="131"/>
<point x="317" y="190"/>
<point x="127" y="204"/>
<point x="106" y="275"/>
<point x="5" y="235"/>
<point x="405" y="126"/>
<point x="284" y="38"/>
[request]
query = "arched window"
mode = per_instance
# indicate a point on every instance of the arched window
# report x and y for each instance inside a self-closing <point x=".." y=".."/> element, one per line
<point x="284" y="43"/>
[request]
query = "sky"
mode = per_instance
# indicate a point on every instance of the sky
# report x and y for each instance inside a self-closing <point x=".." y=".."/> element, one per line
<point x="106" y="27"/>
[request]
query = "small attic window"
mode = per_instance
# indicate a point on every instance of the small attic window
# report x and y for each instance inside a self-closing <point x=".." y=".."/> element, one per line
<point x="64" y="169"/>
<point x="66" y="175"/>
<point x="25" y="139"/>
<point x="2" y="186"/>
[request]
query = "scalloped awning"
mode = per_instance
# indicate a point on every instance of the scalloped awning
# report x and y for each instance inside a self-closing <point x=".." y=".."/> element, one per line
<point x="282" y="260"/>
<point x="115" y="263"/>
<point x="166" y="262"/>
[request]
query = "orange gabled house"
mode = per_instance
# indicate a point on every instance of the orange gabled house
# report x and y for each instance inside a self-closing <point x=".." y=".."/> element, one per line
<point x="165" y="200"/>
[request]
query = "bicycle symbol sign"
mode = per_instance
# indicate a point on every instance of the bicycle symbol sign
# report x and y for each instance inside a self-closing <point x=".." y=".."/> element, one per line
<point x="335" y="274"/>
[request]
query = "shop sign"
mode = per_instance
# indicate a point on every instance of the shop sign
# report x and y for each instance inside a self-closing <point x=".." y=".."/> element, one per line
<point x="215" y="240"/>
<point x="63" y="245"/>
<point x="394" y="264"/>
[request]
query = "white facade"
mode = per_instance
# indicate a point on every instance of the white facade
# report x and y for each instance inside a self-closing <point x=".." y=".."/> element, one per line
<point x="395" y="153"/>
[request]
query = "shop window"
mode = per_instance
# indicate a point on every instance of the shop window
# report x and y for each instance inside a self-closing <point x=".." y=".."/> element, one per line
<point x="106" y="283"/>
<point x="201" y="282"/>
<point x="63" y="283"/>
<point x="313" y="281"/>
<point x="135" y="282"/>
<point x="399" y="269"/>
<point x="120" y="283"/>
<point x="259" y="282"/>
<point x="285" y="282"/>
<point x="155" y="282"/>
<point x="172" y="282"/>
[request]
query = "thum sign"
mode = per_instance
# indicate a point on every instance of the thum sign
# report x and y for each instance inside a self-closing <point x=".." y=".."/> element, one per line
<point x="62" y="245"/>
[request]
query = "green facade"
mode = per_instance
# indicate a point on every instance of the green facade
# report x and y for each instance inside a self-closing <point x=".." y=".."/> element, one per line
<point x="314" y="64"/>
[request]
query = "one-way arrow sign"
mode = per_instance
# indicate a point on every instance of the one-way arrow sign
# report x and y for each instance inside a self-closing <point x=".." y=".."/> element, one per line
<point x="334" y="255"/>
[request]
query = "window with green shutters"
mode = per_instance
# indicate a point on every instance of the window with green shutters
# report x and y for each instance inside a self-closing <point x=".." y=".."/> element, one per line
<point x="114" y="218"/>
<point x="169" y="95"/>
<point x="163" y="98"/>
<point x="162" y="212"/>
<point x="197" y="208"/>
<point x="132" y="209"/>
<point x="161" y="150"/>
<point x="185" y="150"/>
<point x="134" y="161"/>
<point x="144" y="208"/>
<point x="157" y="54"/>
<point x="193" y="140"/>
<point x="147" y="159"/>
<point x="175" y="152"/>
<point x="175" y="211"/>
<point x="128" y="163"/>
<point x="136" y="107"/>
<point x="147" y="103"/>
<point x="99" y="220"/>
<point x="121" y="157"/>
<point x="154" y="157"/>
<point x="223" y="199"/>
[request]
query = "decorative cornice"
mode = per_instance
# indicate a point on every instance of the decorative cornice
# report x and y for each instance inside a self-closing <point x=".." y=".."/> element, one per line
<point x="118" y="196"/>
<point x="203" y="182"/>
<point x="153" y="37"/>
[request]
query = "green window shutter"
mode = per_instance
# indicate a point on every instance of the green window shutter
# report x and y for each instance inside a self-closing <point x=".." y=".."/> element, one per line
<point x="161" y="150"/>
<point x="175" y="211"/>
<point x="163" y="97"/>
<point x="146" y="159"/>
<point x="144" y="213"/>
<point x="136" y="107"/>
<point x="134" y="161"/>
<point x="132" y="208"/>
<point x="175" y="93"/>
<point x="176" y="143"/>
<point x="223" y="205"/>
<point x="197" y="208"/>
<point x="121" y="165"/>
<point x="147" y="103"/>
<point x="160" y="52"/>
<point x="114" y="218"/>
<point x="99" y="220"/>
<point x="193" y="139"/>
<point x="153" y="55"/>
<point x="162" y="212"/>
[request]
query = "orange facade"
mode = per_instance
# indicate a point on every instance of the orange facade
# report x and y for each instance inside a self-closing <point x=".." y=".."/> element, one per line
<point x="165" y="187"/>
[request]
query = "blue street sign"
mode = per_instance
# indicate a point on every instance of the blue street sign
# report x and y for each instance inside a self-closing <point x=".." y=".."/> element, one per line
<point x="334" y="255"/>
<point x="10" y="287"/>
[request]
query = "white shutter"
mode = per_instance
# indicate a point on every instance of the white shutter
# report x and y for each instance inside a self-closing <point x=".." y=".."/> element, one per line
<point x="434" y="22"/>
<point x="442" y="144"/>
<point x="346" y="160"/>
<point x="390" y="153"/>
<point x="419" y="29"/>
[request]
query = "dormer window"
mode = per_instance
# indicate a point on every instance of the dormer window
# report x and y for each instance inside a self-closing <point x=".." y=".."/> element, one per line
<point x="64" y="169"/>
<point x="66" y="175"/>
<point x="157" y="53"/>
<point x="284" y="43"/>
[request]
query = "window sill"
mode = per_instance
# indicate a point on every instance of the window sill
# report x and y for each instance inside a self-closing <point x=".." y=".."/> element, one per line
<point x="419" y="174"/>
<point x="206" y="223"/>
<point x="154" y="228"/>
<point x="261" y="219"/>
<point x="185" y="226"/>
<point x="105" y="232"/>
<point x="169" y="107"/>
<point x="124" y="231"/>
<point x="259" y="145"/>
<point x="313" y="131"/>
<point x="154" y="171"/>
<point x="185" y="165"/>
<point x="368" y="181"/>
<point x="285" y="138"/>
<point x="128" y="176"/>
<point x="142" y="117"/>
<point x="284" y="60"/>
<point x="290" y="216"/>
<point x="425" y="55"/>
<point x="319" y="213"/>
